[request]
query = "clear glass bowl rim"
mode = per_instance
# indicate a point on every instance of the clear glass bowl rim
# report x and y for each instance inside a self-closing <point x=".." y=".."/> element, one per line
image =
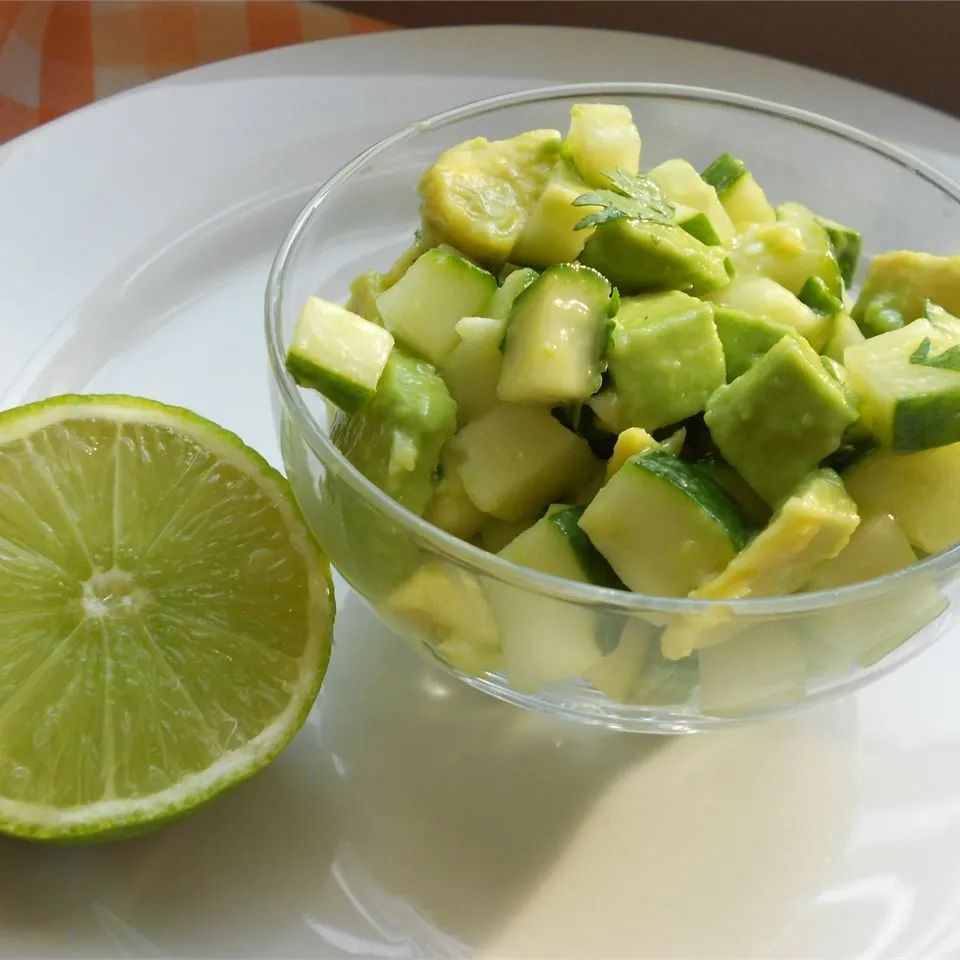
<point x="474" y="558"/>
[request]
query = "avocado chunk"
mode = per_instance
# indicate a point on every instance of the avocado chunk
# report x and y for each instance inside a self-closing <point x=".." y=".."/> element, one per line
<point x="478" y="194"/>
<point x="638" y="256"/>
<point x="679" y="180"/>
<point x="899" y="283"/>
<point x="746" y="338"/>
<point x="396" y="439"/>
<point x="847" y="244"/>
<point x="664" y="360"/>
<point x="602" y="139"/>
<point x="778" y="420"/>
<point x="845" y="334"/>
<point x="908" y="385"/>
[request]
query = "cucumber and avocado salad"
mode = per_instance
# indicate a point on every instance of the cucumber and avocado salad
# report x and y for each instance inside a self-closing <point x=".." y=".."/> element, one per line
<point x="655" y="380"/>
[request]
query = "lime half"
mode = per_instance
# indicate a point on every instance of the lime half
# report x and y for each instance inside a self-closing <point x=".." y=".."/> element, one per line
<point x="165" y="616"/>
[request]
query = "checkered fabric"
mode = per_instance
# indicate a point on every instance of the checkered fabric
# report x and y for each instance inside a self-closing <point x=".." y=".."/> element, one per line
<point x="58" y="55"/>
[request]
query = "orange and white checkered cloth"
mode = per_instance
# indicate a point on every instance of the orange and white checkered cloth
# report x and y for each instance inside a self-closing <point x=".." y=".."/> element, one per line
<point x="58" y="55"/>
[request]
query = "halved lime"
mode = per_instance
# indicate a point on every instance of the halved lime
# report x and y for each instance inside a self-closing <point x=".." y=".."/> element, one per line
<point x="165" y="616"/>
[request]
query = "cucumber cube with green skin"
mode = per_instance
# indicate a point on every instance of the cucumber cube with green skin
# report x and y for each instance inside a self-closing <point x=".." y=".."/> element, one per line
<point x="741" y="196"/>
<point x="746" y="337"/>
<point x="663" y="525"/>
<point x="679" y="180"/>
<point x="698" y="225"/>
<point x="338" y="353"/>
<point x="918" y="489"/>
<point x="602" y="139"/>
<point x="472" y="369"/>
<point x="753" y="507"/>
<point x="510" y="288"/>
<point x="898" y="285"/>
<point x="556" y="337"/>
<point x="396" y="439"/>
<point x="639" y="256"/>
<point x="789" y="251"/>
<point x="908" y="384"/>
<point x="778" y="420"/>
<point x="665" y="360"/>
<point x="847" y="244"/>
<point x="549" y="236"/>
<point x="514" y="460"/>
<point x="818" y="297"/>
<point x="845" y="334"/>
<point x="766" y="298"/>
<point x="422" y="308"/>
<point x="478" y="194"/>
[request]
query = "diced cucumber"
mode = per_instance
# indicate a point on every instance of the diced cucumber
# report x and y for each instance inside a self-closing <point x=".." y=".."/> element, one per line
<point x="515" y="459"/>
<point x="898" y="285"/>
<point x="739" y="193"/>
<point x="507" y="293"/>
<point x="630" y="443"/>
<point x="774" y="446"/>
<point x="556" y="337"/>
<point x="746" y="338"/>
<point x="665" y="360"/>
<point x="753" y="507"/>
<point x="682" y="184"/>
<point x="472" y="369"/>
<point x="763" y="667"/>
<point x="396" y="439"/>
<point x="918" y="489"/>
<point x="845" y="334"/>
<point x="813" y="525"/>
<point x="818" y="297"/>
<point x="549" y="236"/>
<point x="909" y="385"/>
<point x="638" y="256"/>
<point x="878" y="546"/>
<point x="338" y="353"/>
<point x="422" y="308"/>
<point x="789" y="251"/>
<point x="619" y="672"/>
<point x="846" y="244"/>
<point x="449" y="606"/>
<point x="496" y="534"/>
<point x="478" y="194"/>
<point x="698" y="225"/>
<point x="652" y="504"/>
<point x="764" y="297"/>
<point x="602" y="139"/>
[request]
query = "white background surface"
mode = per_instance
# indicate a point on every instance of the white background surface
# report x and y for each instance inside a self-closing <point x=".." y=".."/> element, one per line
<point x="413" y="816"/>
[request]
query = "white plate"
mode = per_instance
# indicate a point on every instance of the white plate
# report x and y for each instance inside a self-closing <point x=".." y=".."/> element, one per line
<point x="413" y="816"/>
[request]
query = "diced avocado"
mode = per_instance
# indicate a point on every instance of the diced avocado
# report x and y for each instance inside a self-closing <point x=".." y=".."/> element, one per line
<point x="602" y="139"/>
<point x="496" y="534"/>
<point x="478" y="194"/>
<point x="449" y="606"/>
<point x="472" y="369"/>
<point x="423" y="240"/>
<point x="778" y="420"/>
<point x="764" y="297"/>
<point x="878" y="546"/>
<point x="364" y="291"/>
<point x="908" y="385"/>
<point x="630" y="442"/>
<point x="665" y="359"/>
<point x="549" y="236"/>
<point x="639" y="255"/>
<point x="813" y="525"/>
<point x="395" y="440"/>
<point x="654" y="503"/>
<point x="556" y="337"/>
<point x="422" y="308"/>
<point x="739" y="193"/>
<point x="698" y="225"/>
<point x="753" y="507"/>
<point x="846" y="244"/>
<point x="338" y="353"/>
<point x="790" y="250"/>
<point x="845" y="334"/>
<point x="899" y="283"/>
<point x="515" y="459"/>
<point x="746" y="337"/>
<point x="817" y="296"/>
<point x="450" y="508"/>
<point x="918" y="489"/>
<point x="682" y="184"/>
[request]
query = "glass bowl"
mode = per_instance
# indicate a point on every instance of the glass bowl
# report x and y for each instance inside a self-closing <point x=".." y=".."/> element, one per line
<point x="486" y="619"/>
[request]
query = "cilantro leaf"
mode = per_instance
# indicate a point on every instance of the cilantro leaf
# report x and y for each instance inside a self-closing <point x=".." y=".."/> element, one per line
<point x="948" y="360"/>
<point x="629" y="197"/>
